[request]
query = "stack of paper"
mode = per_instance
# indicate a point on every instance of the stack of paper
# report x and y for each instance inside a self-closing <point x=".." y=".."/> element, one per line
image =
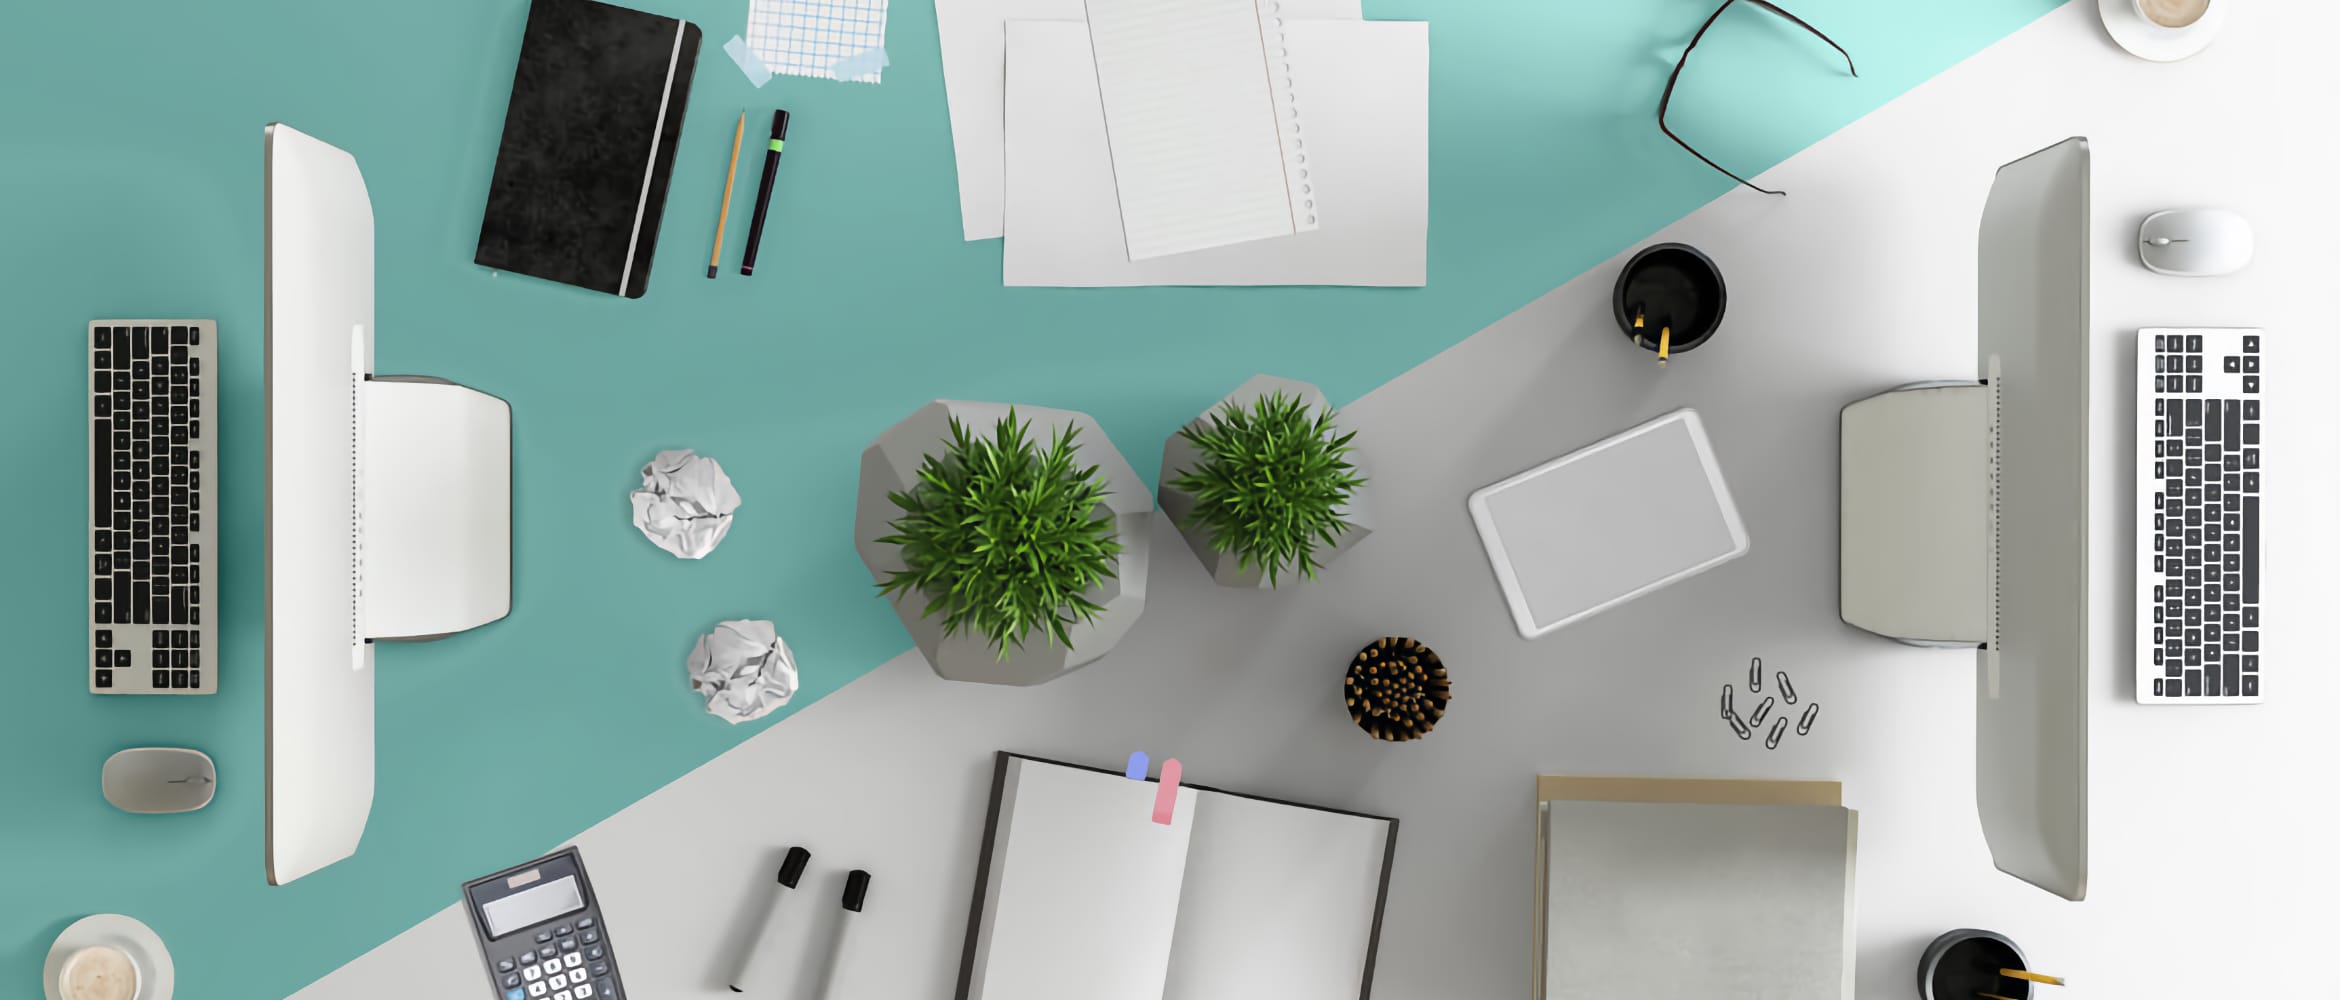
<point x="1182" y="186"/>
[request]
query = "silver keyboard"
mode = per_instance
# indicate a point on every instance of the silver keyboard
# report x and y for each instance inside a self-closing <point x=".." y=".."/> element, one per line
<point x="152" y="384"/>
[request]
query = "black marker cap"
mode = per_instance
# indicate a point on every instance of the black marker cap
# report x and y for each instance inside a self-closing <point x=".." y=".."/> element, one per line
<point x="780" y="124"/>
<point x="793" y="868"/>
<point x="856" y="889"/>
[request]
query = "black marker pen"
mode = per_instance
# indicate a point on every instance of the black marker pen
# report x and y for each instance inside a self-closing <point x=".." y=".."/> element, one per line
<point x="747" y="264"/>
<point x="757" y="967"/>
<point x="856" y="893"/>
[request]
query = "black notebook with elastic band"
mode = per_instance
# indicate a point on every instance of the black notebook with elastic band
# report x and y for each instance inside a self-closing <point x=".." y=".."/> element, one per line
<point x="588" y="147"/>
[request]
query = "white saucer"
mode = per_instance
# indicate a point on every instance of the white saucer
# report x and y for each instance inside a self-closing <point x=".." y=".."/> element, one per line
<point x="2147" y="40"/>
<point x="155" y="976"/>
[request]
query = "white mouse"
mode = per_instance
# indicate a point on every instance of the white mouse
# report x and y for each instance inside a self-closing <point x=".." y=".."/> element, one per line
<point x="2194" y="242"/>
<point x="159" y="780"/>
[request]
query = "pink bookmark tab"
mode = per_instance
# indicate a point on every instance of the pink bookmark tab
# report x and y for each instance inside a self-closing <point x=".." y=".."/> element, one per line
<point x="1166" y="797"/>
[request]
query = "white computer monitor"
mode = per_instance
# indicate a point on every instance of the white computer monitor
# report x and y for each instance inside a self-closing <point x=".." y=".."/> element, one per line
<point x="388" y="505"/>
<point x="1964" y="518"/>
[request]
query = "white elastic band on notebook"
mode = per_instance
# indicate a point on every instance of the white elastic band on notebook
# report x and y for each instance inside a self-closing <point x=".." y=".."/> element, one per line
<point x="650" y="168"/>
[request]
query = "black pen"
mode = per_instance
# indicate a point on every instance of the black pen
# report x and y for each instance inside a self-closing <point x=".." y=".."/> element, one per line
<point x="747" y="265"/>
<point x="756" y="968"/>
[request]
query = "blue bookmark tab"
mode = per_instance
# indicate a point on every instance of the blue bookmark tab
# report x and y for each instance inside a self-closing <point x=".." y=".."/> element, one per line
<point x="1137" y="766"/>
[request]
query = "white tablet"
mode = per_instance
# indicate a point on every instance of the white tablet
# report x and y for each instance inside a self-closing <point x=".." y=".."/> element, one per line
<point x="1595" y="528"/>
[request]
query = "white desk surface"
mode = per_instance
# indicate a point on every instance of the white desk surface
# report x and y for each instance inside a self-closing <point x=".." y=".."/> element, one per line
<point x="2212" y="873"/>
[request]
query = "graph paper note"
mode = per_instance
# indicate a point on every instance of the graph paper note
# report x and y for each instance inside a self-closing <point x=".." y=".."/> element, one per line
<point x="830" y="39"/>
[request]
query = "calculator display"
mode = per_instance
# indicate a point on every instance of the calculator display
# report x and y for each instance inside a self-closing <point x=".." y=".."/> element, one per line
<point x="533" y="906"/>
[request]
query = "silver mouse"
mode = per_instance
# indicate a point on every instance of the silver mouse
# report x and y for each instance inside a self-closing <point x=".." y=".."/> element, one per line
<point x="159" y="780"/>
<point x="2194" y="242"/>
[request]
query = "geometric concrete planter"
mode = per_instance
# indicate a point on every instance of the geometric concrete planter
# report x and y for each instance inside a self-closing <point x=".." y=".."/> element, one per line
<point x="890" y="465"/>
<point x="1225" y="567"/>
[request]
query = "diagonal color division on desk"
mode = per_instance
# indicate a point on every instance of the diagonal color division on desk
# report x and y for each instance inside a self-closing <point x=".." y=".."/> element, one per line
<point x="497" y="744"/>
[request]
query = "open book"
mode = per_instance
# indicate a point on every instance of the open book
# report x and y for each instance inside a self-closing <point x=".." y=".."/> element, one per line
<point x="1080" y="895"/>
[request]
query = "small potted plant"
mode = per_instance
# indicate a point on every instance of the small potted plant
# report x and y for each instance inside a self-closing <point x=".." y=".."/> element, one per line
<point x="1011" y="542"/>
<point x="1262" y="485"/>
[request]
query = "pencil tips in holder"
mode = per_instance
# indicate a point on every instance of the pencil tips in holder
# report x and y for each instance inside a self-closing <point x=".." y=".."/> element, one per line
<point x="1674" y="289"/>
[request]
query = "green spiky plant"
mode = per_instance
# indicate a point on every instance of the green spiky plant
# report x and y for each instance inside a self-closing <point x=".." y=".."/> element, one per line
<point x="1270" y="483"/>
<point x="1003" y="537"/>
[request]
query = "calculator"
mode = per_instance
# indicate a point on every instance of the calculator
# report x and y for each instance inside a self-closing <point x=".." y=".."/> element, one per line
<point x="541" y="932"/>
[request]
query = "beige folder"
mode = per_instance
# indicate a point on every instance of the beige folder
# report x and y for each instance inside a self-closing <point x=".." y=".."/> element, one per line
<point x="1551" y="789"/>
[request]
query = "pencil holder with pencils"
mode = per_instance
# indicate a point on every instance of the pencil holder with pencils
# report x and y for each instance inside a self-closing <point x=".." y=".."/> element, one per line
<point x="1396" y="689"/>
<point x="1669" y="299"/>
<point x="1969" y="964"/>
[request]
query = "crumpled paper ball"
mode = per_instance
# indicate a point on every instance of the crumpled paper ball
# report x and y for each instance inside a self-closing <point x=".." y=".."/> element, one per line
<point x="744" y="669"/>
<point x="685" y="503"/>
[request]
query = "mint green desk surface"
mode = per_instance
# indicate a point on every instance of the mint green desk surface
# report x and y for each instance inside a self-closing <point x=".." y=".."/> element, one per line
<point x="130" y="185"/>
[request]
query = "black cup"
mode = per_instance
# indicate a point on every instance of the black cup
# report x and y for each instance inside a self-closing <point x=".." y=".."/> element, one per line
<point x="1670" y="284"/>
<point x="1964" y="963"/>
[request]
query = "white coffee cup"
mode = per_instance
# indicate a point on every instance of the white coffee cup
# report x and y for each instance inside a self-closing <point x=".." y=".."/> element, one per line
<point x="98" y="972"/>
<point x="2172" y="13"/>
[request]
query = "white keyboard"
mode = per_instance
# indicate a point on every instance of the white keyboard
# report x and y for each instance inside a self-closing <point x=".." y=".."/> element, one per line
<point x="2198" y="517"/>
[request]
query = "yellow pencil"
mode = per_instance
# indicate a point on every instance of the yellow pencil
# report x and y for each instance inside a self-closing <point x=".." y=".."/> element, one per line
<point x="2033" y="977"/>
<point x="738" y="133"/>
<point x="1665" y="344"/>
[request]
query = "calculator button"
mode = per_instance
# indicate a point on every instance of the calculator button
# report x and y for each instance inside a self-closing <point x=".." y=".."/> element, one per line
<point x="550" y="966"/>
<point x="515" y="995"/>
<point x="572" y="960"/>
<point x="559" y="981"/>
<point x="532" y="973"/>
<point x="563" y="930"/>
<point x="564" y="995"/>
<point x="504" y="966"/>
<point x="601" y="968"/>
<point x="537" y="990"/>
<point x="593" y="954"/>
<point x="586" y="922"/>
<point x="543" y="936"/>
<point x="592" y="936"/>
<point x="528" y="958"/>
<point x="568" y="944"/>
<point x="605" y="987"/>
<point x="584" y="990"/>
<point x="511" y="980"/>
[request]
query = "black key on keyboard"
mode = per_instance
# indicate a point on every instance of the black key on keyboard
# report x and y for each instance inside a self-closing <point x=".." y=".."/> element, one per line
<point x="2232" y="682"/>
<point x="2250" y="553"/>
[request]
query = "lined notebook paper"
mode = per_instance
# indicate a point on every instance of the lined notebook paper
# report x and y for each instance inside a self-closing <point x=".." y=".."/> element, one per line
<point x="1206" y="134"/>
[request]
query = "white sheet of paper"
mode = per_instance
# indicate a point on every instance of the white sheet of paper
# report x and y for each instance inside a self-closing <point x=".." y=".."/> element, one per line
<point x="1209" y="148"/>
<point x="1084" y="887"/>
<point x="1368" y="108"/>
<point x="1279" y="902"/>
<point x="974" y="58"/>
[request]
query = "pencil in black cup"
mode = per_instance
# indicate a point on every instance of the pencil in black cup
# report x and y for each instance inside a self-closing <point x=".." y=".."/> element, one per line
<point x="747" y="265"/>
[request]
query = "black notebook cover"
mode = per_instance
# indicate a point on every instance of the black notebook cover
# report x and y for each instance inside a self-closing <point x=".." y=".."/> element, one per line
<point x="588" y="148"/>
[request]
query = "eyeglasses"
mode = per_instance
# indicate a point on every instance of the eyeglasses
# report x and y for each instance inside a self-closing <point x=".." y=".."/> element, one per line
<point x="1668" y="99"/>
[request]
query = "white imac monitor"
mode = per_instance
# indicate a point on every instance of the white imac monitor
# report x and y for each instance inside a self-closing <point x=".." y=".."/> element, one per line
<point x="1964" y="518"/>
<point x="388" y="512"/>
